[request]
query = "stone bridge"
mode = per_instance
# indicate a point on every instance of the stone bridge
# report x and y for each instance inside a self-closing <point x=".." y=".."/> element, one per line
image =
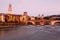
<point x="42" y="22"/>
<point x="53" y="22"/>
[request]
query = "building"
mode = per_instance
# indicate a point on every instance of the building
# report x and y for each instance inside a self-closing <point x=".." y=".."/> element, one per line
<point x="42" y="16"/>
<point x="24" y="17"/>
<point x="38" y="17"/>
<point x="32" y="18"/>
<point x="10" y="9"/>
<point x="2" y="17"/>
<point x="17" y="18"/>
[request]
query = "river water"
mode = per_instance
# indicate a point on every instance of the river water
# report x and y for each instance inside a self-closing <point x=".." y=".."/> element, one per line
<point x="30" y="32"/>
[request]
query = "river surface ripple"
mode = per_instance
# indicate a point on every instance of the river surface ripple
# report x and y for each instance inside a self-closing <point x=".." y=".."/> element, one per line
<point x="30" y="32"/>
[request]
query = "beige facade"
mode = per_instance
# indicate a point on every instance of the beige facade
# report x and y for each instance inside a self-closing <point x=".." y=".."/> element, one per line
<point x="32" y="18"/>
<point x="2" y="18"/>
<point x="10" y="18"/>
<point x="24" y="17"/>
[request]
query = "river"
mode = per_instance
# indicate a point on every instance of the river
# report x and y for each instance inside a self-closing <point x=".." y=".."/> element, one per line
<point x="30" y="32"/>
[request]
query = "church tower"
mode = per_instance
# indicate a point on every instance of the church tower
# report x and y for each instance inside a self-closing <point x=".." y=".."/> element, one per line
<point x="39" y="16"/>
<point x="10" y="9"/>
<point x="42" y="16"/>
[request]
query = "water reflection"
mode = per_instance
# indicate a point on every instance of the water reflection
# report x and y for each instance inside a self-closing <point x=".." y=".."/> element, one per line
<point x="13" y="32"/>
<point x="7" y="30"/>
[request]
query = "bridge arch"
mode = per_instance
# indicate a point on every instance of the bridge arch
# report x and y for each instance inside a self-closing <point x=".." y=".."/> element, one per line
<point x="37" y="23"/>
<point x="32" y="22"/>
<point x="54" y="22"/>
<point x="57" y="23"/>
<point x="29" y="23"/>
<point x="42" y="22"/>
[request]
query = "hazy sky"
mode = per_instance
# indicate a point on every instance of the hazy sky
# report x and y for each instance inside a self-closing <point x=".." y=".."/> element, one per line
<point x="33" y="7"/>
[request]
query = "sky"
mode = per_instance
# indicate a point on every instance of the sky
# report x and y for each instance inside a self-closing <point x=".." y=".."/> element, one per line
<point x="33" y="7"/>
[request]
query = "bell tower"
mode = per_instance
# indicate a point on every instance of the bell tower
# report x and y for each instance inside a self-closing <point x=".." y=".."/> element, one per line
<point x="10" y="9"/>
<point x="42" y="16"/>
